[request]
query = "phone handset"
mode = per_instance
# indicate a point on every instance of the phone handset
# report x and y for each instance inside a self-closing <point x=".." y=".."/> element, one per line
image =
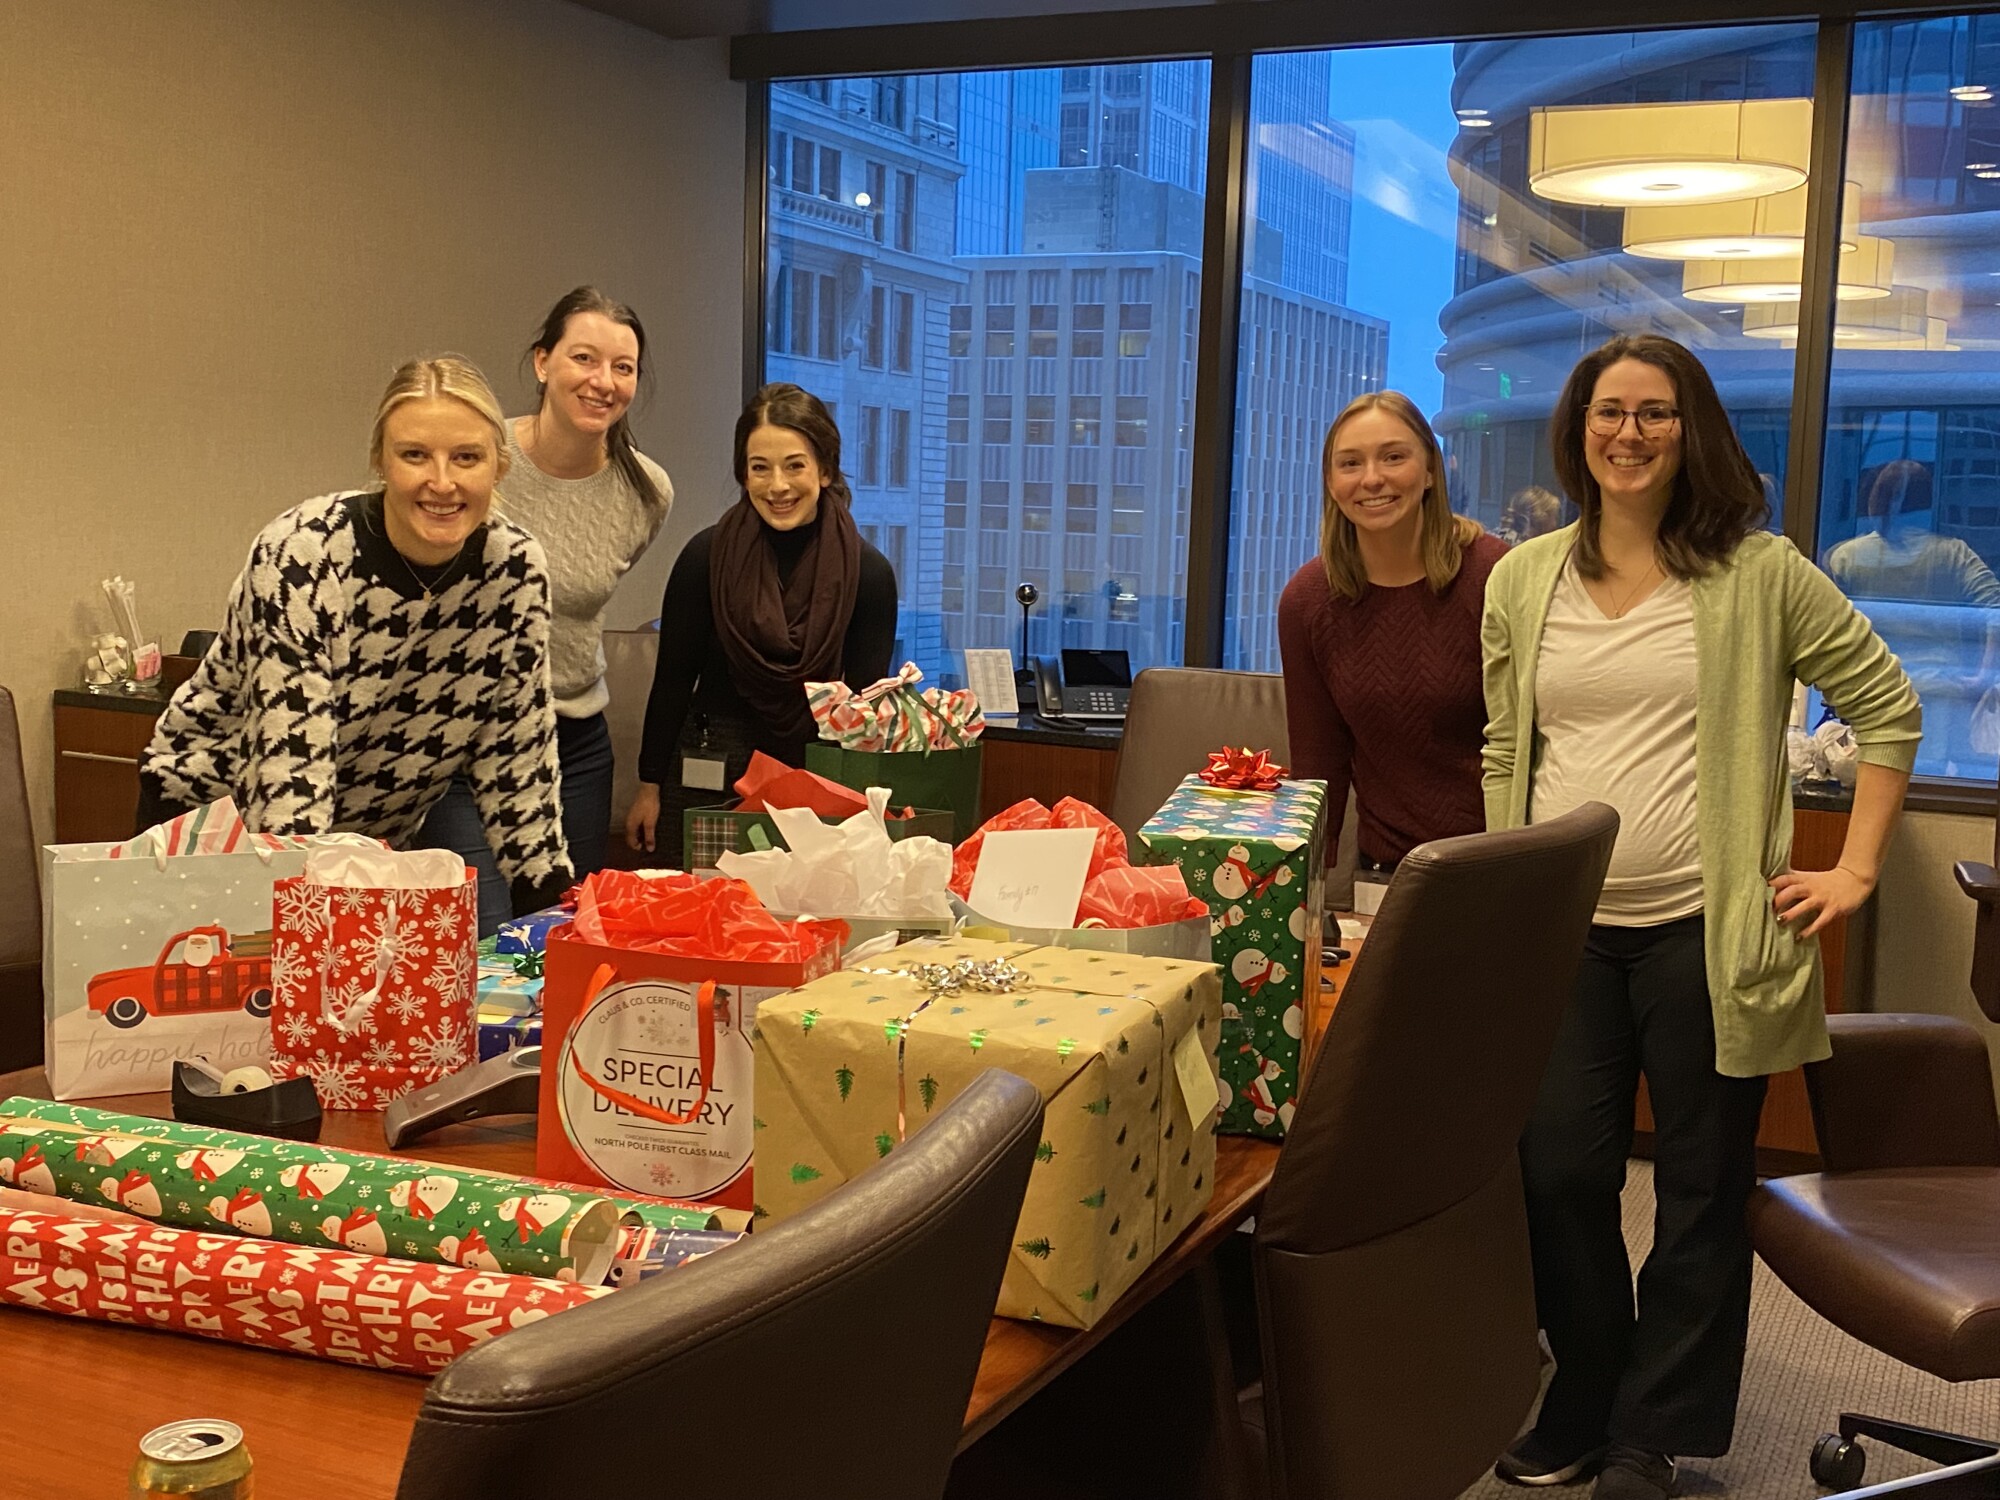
<point x="1048" y="686"/>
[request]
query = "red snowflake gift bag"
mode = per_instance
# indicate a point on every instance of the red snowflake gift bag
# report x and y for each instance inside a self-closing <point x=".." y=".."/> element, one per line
<point x="373" y="957"/>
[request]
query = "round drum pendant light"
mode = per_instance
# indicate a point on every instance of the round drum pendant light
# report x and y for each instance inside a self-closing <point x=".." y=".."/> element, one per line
<point x="1703" y="151"/>
<point x="1747" y="229"/>
<point x="1900" y="320"/>
<point x="1865" y="274"/>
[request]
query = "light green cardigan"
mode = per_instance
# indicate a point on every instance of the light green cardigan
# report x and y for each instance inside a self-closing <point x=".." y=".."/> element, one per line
<point x="1761" y="620"/>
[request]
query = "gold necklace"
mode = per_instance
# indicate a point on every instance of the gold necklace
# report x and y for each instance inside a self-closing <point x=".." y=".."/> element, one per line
<point x="1620" y="608"/>
<point x="429" y="590"/>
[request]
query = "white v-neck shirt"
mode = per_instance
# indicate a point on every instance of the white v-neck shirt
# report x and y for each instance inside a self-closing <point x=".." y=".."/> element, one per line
<point x="1614" y="718"/>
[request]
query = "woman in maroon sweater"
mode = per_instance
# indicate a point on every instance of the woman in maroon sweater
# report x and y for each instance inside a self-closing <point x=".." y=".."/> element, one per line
<point x="1380" y="636"/>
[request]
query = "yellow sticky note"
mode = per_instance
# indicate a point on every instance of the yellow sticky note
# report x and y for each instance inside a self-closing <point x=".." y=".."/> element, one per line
<point x="1198" y="1088"/>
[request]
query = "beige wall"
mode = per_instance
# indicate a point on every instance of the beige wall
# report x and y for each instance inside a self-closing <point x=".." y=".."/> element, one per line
<point x="1923" y="942"/>
<point x="223" y="222"/>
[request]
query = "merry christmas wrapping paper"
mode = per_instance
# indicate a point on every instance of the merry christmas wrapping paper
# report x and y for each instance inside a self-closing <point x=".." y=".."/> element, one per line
<point x="1114" y="1043"/>
<point x="360" y="1309"/>
<point x="1258" y="859"/>
<point x="201" y="1178"/>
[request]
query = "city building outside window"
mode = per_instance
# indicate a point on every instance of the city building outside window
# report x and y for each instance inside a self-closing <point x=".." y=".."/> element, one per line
<point x="1909" y="515"/>
<point x="1400" y="242"/>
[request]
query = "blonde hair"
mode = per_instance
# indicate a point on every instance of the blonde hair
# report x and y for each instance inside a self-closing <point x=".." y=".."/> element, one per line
<point x="448" y="375"/>
<point x="1445" y="536"/>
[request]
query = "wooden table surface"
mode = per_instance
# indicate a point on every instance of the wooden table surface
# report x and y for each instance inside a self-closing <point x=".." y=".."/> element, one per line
<point x="317" y="1428"/>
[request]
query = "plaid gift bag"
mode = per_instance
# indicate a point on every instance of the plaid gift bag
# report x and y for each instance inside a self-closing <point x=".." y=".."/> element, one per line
<point x="373" y="965"/>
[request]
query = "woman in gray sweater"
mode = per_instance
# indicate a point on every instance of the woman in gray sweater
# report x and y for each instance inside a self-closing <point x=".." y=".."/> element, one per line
<point x="580" y="486"/>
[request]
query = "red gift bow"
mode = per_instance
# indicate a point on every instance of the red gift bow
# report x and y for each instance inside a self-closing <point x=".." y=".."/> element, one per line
<point x="1243" y="770"/>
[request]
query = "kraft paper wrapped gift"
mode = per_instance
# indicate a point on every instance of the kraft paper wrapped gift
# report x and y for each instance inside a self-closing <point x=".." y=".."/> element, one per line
<point x="1258" y="859"/>
<point x="1122" y="1049"/>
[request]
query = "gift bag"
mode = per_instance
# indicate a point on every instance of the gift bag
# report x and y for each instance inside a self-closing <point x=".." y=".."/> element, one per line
<point x="159" y="948"/>
<point x="373" y="968"/>
<point x="649" y="1002"/>
<point x="923" y="746"/>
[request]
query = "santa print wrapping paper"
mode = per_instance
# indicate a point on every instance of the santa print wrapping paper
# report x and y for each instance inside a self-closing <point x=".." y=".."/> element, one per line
<point x="360" y="1309"/>
<point x="1257" y="858"/>
<point x="849" y="1065"/>
<point x="372" y="990"/>
<point x="197" y="1178"/>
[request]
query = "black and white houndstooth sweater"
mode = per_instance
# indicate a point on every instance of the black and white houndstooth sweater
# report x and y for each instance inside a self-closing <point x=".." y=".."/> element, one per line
<point x="340" y="696"/>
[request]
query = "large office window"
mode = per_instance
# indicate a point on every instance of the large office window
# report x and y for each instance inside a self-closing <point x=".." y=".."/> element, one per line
<point x="1032" y="343"/>
<point x="1449" y="221"/>
<point x="1910" y="498"/>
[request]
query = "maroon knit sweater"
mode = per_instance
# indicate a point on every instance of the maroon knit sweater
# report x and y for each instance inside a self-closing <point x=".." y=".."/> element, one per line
<point x="1385" y="692"/>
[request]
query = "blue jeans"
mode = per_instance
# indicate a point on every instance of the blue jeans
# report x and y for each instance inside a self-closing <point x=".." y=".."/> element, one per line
<point x="583" y="747"/>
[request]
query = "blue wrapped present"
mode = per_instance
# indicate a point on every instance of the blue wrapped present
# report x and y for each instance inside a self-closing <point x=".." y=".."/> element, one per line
<point x="529" y="934"/>
<point x="502" y="1030"/>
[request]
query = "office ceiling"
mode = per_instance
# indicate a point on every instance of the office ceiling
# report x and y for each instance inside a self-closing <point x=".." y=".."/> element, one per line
<point x="707" y="18"/>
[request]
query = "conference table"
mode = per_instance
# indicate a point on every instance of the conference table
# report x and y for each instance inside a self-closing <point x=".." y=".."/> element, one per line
<point x="86" y="1392"/>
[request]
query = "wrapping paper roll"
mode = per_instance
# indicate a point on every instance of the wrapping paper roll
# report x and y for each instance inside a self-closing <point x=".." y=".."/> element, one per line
<point x="199" y="1178"/>
<point x="360" y="1309"/>
<point x="659" y="1213"/>
<point x="645" y="1253"/>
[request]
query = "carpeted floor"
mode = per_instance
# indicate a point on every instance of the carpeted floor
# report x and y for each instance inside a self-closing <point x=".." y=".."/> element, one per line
<point x="1801" y="1372"/>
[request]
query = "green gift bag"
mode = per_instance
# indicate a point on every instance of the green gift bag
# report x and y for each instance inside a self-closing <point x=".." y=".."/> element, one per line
<point x="915" y="778"/>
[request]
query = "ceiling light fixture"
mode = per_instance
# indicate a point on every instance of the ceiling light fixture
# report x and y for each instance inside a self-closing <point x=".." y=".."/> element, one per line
<point x="1702" y="151"/>
<point x="1899" y="321"/>
<point x="1865" y="274"/>
<point x="1770" y="227"/>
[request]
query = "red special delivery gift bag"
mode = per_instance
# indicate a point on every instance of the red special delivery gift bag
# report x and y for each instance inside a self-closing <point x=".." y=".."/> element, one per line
<point x="648" y="1000"/>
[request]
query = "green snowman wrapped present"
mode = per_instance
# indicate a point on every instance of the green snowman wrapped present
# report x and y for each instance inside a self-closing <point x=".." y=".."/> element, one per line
<point x="1256" y="855"/>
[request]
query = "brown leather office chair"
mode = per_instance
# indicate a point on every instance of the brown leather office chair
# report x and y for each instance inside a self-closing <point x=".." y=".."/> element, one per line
<point x="1179" y="714"/>
<point x="20" y="906"/>
<point x="1396" y="1303"/>
<point x="829" y="1356"/>
<point x="1896" y="1240"/>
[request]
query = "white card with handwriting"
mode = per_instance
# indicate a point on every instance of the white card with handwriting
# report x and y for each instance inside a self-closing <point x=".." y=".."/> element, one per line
<point x="1032" y="877"/>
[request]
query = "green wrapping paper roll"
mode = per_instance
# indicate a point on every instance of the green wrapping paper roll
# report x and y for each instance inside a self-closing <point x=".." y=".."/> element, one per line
<point x="198" y="1178"/>
<point x="654" y="1213"/>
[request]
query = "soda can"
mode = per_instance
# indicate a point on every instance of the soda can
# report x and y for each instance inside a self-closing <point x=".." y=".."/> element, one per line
<point x="202" y="1459"/>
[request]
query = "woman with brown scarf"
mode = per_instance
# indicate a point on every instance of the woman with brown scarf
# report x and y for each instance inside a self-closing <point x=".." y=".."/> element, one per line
<point x="782" y="591"/>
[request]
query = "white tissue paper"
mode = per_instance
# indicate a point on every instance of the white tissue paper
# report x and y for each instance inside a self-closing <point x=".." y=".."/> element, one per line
<point x="385" y="869"/>
<point x="847" y="869"/>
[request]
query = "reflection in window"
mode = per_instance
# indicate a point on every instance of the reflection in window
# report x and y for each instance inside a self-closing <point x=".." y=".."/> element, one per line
<point x="960" y="316"/>
<point x="1463" y="234"/>
<point x="1910" y="484"/>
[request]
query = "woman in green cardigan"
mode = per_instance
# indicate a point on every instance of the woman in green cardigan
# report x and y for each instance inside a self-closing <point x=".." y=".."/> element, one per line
<point x="1645" y="657"/>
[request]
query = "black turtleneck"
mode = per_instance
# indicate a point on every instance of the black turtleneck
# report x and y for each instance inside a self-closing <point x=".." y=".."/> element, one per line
<point x="693" y="678"/>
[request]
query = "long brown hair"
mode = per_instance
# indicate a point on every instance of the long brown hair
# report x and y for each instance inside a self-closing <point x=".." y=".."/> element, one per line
<point x="781" y="404"/>
<point x="1445" y="536"/>
<point x="1717" y="499"/>
<point x="618" y="444"/>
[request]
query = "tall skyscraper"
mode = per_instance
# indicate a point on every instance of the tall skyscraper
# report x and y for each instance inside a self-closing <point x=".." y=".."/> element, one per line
<point x="1008" y="124"/>
<point x="1302" y="177"/>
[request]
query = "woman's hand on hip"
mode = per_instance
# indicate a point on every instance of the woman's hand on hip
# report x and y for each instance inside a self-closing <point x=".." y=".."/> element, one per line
<point x="1807" y="900"/>
<point x="644" y="817"/>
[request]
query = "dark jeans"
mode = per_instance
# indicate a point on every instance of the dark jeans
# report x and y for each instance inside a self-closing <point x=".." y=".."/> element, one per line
<point x="1667" y="1378"/>
<point x="584" y="747"/>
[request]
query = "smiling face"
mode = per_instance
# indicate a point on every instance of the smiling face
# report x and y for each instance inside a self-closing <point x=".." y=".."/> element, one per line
<point x="1631" y="468"/>
<point x="782" y="477"/>
<point x="439" y="463"/>
<point x="1377" y="473"/>
<point x="592" y="374"/>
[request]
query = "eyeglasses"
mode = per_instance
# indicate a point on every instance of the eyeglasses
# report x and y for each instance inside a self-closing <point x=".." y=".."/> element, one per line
<point x="1607" y="418"/>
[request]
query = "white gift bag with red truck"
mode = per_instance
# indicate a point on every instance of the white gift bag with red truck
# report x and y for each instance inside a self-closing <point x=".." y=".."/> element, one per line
<point x="160" y="948"/>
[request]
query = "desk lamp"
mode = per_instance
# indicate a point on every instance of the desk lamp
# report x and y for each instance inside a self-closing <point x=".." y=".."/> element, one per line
<point x="1024" y="676"/>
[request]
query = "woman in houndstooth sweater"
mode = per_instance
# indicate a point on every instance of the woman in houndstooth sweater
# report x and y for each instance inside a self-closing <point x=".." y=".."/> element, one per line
<point x="379" y="643"/>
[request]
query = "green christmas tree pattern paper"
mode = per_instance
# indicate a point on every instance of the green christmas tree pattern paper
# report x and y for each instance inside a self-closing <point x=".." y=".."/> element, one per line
<point x="1122" y="1168"/>
<point x="1257" y="858"/>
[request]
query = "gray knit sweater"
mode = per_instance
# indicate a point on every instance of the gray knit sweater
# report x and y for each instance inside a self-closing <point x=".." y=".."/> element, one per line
<point x="592" y="530"/>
